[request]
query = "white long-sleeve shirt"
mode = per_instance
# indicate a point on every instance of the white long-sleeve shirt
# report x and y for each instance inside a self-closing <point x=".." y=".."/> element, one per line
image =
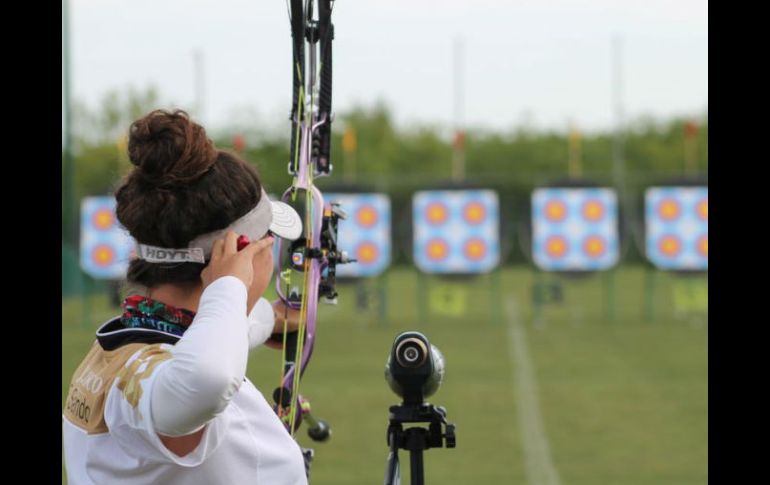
<point x="120" y="400"/>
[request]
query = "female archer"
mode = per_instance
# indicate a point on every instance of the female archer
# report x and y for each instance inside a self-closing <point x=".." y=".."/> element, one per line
<point x="162" y="395"/>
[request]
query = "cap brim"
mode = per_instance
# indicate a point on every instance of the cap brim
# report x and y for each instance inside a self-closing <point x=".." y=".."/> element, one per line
<point x="286" y="222"/>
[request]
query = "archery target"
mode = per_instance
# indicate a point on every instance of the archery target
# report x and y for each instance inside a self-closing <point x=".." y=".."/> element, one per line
<point x="456" y="231"/>
<point x="676" y="221"/>
<point x="105" y="246"/>
<point x="575" y="229"/>
<point x="364" y="234"/>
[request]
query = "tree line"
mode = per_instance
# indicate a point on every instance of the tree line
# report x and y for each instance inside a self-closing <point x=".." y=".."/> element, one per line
<point x="400" y="160"/>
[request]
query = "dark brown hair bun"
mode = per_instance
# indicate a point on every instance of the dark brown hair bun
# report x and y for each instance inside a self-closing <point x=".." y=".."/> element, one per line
<point x="169" y="148"/>
<point x="181" y="187"/>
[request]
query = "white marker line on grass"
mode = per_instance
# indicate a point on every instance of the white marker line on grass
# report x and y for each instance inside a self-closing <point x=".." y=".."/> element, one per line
<point x="538" y="463"/>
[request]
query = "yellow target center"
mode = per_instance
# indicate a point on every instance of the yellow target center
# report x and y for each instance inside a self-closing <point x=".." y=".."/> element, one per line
<point x="437" y="213"/>
<point x="103" y="255"/>
<point x="555" y="211"/>
<point x="475" y="249"/>
<point x="437" y="250"/>
<point x="703" y="246"/>
<point x="594" y="246"/>
<point x="367" y="253"/>
<point x="474" y="213"/>
<point x="367" y="217"/>
<point x="556" y="247"/>
<point x="593" y="211"/>
<point x="103" y="219"/>
<point x="703" y="210"/>
<point x="669" y="246"/>
<point x="669" y="209"/>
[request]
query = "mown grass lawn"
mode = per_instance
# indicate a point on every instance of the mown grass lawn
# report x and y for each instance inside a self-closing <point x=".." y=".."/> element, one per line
<point x="623" y="400"/>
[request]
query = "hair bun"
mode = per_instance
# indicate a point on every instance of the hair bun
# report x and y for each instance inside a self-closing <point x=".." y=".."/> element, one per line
<point x="170" y="149"/>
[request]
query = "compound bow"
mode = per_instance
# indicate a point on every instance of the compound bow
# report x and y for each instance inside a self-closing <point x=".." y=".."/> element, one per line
<point x="315" y="255"/>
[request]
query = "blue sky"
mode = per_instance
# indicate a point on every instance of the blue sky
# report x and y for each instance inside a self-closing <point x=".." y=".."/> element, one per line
<point x="543" y="63"/>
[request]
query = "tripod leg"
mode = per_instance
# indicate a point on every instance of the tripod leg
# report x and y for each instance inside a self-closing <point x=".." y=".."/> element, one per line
<point x="393" y="470"/>
<point x="418" y="474"/>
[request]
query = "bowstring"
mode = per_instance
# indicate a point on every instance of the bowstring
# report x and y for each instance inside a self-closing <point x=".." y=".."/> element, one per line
<point x="309" y="218"/>
<point x="302" y="327"/>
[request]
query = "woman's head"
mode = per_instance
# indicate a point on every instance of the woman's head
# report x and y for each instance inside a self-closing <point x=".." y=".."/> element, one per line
<point x="181" y="186"/>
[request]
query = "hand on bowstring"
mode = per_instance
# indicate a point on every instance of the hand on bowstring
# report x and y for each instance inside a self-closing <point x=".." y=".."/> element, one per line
<point x="226" y="260"/>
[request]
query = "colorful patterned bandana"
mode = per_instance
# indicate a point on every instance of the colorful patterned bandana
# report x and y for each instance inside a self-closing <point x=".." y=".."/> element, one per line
<point x="142" y="312"/>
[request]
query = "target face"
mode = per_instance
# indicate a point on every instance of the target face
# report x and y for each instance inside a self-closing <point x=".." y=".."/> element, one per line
<point x="703" y="209"/>
<point x="670" y="246"/>
<point x="105" y="246"/>
<point x="456" y="231"/>
<point x="437" y="250"/>
<point x="474" y="213"/>
<point x="475" y="249"/>
<point x="669" y="210"/>
<point x="555" y="210"/>
<point x="365" y="234"/>
<point x="103" y="219"/>
<point x="593" y="210"/>
<point x="103" y="255"/>
<point x="703" y="246"/>
<point x="436" y="213"/>
<point x="575" y="229"/>
<point x="595" y="246"/>
<point x="676" y="223"/>
<point x="367" y="252"/>
<point x="556" y="247"/>
<point x="366" y="216"/>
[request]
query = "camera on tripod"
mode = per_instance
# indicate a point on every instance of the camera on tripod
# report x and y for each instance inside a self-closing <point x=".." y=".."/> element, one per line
<point x="415" y="371"/>
<point x="415" y="368"/>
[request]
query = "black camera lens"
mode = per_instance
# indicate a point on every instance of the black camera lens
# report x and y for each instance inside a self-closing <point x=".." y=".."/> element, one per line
<point x="411" y="352"/>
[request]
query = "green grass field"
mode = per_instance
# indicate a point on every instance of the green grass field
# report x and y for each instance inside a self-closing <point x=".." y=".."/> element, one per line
<point x="621" y="400"/>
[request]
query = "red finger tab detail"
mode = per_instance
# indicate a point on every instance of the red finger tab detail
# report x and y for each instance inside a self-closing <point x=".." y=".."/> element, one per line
<point x="243" y="241"/>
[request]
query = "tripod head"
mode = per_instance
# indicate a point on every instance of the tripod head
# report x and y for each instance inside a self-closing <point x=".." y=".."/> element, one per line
<point x="415" y="370"/>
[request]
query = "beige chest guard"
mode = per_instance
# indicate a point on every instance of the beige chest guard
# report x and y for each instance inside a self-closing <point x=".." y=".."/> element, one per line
<point x="84" y="406"/>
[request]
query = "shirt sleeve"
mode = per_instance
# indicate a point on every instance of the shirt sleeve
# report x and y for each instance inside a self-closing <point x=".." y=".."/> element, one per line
<point x="177" y="390"/>
<point x="261" y="323"/>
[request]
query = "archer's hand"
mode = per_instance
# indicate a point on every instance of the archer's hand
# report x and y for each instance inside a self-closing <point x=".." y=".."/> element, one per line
<point x="226" y="260"/>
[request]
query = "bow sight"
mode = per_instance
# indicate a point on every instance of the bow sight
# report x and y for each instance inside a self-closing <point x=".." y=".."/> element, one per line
<point x="329" y="252"/>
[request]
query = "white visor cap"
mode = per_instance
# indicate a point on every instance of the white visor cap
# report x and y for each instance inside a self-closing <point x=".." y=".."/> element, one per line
<point x="286" y="222"/>
<point x="277" y="217"/>
<point x="274" y="216"/>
